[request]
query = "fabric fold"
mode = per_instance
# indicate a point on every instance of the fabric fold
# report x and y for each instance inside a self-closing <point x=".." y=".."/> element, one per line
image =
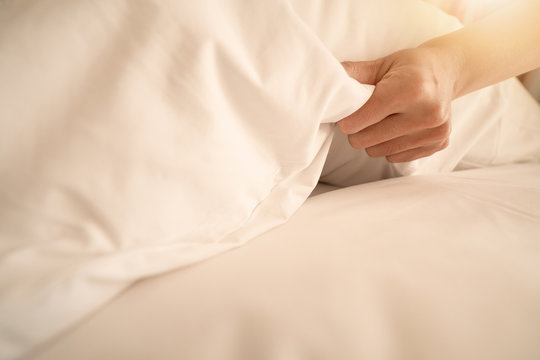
<point x="137" y="137"/>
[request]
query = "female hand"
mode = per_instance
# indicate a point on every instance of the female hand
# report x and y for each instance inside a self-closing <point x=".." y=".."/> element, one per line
<point x="408" y="115"/>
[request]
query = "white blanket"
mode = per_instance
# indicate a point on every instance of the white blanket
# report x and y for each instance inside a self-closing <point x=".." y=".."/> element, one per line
<point x="137" y="137"/>
<point x="140" y="136"/>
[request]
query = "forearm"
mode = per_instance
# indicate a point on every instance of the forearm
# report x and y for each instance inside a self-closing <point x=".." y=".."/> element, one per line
<point x="504" y="44"/>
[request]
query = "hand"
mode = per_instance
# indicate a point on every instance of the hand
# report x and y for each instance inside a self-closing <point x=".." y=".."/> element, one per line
<point x="408" y="115"/>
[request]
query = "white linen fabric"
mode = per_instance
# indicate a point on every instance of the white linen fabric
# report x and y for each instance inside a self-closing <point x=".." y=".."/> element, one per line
<point x="441" y="266"/>
<point x="140" y="136"/>
<point x="137" y="137"/>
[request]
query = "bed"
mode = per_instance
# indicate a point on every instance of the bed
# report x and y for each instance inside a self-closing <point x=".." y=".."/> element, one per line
<point x="422" y="267"/>
<point x="156" y="160"/>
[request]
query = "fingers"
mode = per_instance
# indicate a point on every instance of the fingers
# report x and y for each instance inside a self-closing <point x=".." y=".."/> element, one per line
<point x="406" y="136"/>
<point x="416" y="153"/>
<point x="374" y="110"/>
<point x="365" y="72"/>
<point x="377" y="107"/>
<point x="420" y="128"/>
<point x="411" y="147"/>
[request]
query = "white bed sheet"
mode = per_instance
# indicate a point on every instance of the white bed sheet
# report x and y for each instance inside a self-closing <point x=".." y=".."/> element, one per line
<point x="137" y="137"/>
<point x="440" y="266"/>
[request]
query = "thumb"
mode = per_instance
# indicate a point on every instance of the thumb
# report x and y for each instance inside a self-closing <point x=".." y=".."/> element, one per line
<point x="365" y="72"/>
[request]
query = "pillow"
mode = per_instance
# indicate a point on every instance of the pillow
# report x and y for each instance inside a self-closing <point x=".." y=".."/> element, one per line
<point x="494" y="126"/>
<point x="137" y="137"/>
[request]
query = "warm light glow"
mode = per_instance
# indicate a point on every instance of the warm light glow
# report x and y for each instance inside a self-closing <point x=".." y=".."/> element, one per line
<point x="468" y="10"/>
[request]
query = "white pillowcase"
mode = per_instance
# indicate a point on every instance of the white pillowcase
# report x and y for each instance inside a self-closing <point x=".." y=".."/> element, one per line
<point x="140" y="136"/>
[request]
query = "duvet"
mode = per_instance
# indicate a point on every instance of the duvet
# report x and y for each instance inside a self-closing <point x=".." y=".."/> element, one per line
<point x="138" y="137"/>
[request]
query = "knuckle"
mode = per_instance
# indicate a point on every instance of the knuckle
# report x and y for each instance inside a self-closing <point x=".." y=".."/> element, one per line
<point x="439" y="112"/>
<point x="419" y="90"/>
<point x="432" y="114"/>
<point x="444" y="144"/>
<point x="447" y="126"/>
<point x="439" y="147"/>
<point x="442" y="132"/>
<point x="436" y="110"/>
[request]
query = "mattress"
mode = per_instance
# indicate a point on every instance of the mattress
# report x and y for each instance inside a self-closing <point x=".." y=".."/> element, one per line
<point x="443" y="266"/>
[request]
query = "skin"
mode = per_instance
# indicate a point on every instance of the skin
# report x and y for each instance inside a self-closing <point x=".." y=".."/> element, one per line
<point x="409" y="114"/>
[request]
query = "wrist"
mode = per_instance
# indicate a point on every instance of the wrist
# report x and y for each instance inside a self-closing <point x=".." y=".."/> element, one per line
<point x="451" y="61"/>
